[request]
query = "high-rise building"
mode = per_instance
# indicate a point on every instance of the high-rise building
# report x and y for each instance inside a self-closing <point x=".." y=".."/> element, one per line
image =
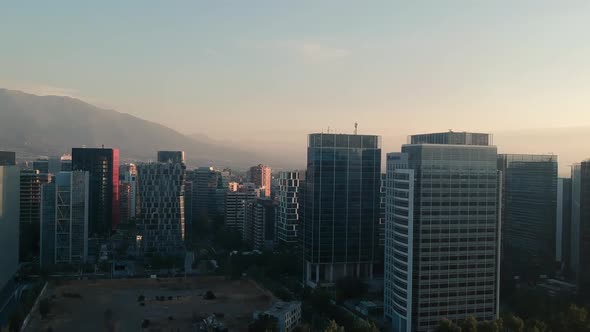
<point x="171" y="157"/>
<point x="64" y="219"/>
<point x="261" y="176"/>
<point x="66" y="163"/>
<point x="188" y="209"/>
<point x="125" y="202"/>
<point x="9" y="224"/>
<point x="7" y="158"/>
<point x="53" y="165"/>
<point x="102" y="164"/>
<point x="340" y="227"/>
<point x="235" y="207"/>
<point x="382" y="211"/>
<point x="288" y="222"/>
<point x="453" y="138"/>
<point x="206" y="181"/>
<point x="529" y="204"/>
<point x="30" y="213"/>
<point x="128" y="178"/>
<point x="161" y="197"/>
<point x="563" y="221"/>
<point x="259" y="223"/>
<point x="580" y="227"/>
<point x="442" y="233"/>
<point x="41" y="165"/>
<point x="233" y="186"/>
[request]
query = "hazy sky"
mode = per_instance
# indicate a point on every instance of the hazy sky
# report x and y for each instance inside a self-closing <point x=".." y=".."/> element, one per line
<point x="252" y="70"/>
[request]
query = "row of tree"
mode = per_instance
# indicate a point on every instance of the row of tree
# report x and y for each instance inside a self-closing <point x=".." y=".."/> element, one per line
<point x="574" y="319"/>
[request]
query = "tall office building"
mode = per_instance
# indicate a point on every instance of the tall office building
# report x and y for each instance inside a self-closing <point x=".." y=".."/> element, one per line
<point x="125" y="203"/>
<point x="288" y="222"/>
<point x="171" y="157"/>
<point x="102" y="164"/>
<point x="261" y="176"/>
<point x="259" y="223"/>
<point x="235" y="207"/>
<point x="128" y="180"/>
<point x="442" y="232"/>
<point x="41" y="165"/>
<point x="7" y="158"/>
<point x="161" y="197"/>
<point x="563" y="221"/>
<point x="188" y="209"/>
<point x="529" y="204"/>
<point x="64" y="219"/>
<point x="66" y="163"/>
<point x="9" y="223"/>
<point x="30" y="213"/>
<point x="580" y="227"/>
<point x="53" y="165"/>
<point x="382" y="211"/>
<point x="342" y="198"/>
<point x="206" y="180"/>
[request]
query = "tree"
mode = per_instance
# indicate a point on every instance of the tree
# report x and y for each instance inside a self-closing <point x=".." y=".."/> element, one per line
<point x="575" y="319"/>
<point x="44" y="307"/>
<point x="535" y="325"/>
<point x="264" y="323"/>
<point x="333" y="327"/>
<point x="303" y="328"/>
<point x="514" y="323"/>
<point x="360" y="325"/>
<point x="469" y="325"/>
<point x="446" y="325"/>
<point x="490" y="326"/>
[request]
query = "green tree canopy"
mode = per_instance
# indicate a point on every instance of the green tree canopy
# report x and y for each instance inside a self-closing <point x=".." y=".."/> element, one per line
<point x="446" y="325"/>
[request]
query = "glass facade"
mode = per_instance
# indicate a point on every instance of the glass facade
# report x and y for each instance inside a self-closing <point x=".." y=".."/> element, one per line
<point x="64" y="219"/>
<point x="529" y="205"/>
<point x="342" y="198"/>
<point x="442" y="235"/>
<point x="580" y="228"/>
<point x="103" y="167"/>
<point x="564" y="221"/>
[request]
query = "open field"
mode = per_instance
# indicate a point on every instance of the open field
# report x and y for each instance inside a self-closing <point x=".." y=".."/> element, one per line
<point x="80" y="305"/>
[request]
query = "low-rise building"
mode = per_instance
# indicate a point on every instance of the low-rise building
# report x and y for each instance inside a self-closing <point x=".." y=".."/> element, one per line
<point x="288" y="315"/>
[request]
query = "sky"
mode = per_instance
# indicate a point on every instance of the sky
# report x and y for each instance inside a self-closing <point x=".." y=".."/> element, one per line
<point x="266" y="73"/>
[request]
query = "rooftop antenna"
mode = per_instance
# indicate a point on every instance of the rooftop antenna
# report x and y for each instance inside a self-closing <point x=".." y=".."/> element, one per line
<point x="356" y="127"/>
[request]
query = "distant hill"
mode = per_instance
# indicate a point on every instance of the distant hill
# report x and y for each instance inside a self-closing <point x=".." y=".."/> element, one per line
<point x="51" y="125"/>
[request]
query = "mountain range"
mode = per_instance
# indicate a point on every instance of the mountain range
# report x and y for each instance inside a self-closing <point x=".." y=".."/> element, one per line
<point x="35" y="126"/>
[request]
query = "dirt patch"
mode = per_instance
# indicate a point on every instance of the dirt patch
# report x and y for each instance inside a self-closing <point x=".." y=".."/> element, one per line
<point x="169" y="304"/>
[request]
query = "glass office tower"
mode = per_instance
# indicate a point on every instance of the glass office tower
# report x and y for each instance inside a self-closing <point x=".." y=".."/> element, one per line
<point x="529" y="204"/>
<point x="580" y="227"/>
<point x="340" y="228"/>
<point x="442" y="233"/>
<point x="103" y="166"/>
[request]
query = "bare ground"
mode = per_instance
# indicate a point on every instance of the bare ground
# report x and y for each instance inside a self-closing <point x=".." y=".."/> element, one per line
<point x="236" y="299"/>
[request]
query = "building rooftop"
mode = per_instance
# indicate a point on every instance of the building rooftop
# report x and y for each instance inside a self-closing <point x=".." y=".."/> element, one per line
<point x="452" y="138"/>
<point x="280" y="308"/>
